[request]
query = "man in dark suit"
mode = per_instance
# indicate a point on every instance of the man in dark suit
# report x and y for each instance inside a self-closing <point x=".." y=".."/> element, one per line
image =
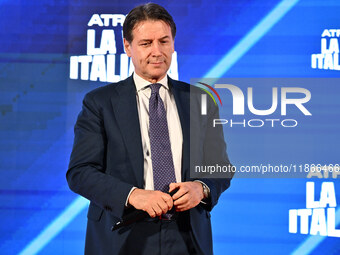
<point x="132" y="147"/>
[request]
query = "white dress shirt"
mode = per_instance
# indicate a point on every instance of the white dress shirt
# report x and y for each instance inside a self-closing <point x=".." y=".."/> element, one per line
<point x="174" y="125"/>
<point x="175" y="130"/>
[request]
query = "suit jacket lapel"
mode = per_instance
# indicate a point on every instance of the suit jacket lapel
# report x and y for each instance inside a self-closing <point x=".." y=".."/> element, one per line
<point x="126" y="112"/>
<point x="181" y="92"/>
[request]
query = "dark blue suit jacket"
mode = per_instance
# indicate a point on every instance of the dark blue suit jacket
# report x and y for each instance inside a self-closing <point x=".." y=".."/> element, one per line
<point x="107" y="161"/>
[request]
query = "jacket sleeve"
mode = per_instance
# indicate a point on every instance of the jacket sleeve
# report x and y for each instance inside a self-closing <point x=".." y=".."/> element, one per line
<point x="86" y="173"/>
<point x="215" y="153"/>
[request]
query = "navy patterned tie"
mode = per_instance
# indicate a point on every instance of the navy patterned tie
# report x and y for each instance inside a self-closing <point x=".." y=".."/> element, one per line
<point x="161" y="156"/>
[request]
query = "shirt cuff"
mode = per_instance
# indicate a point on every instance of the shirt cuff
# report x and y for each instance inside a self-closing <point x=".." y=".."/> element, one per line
<point x="127" y="199"/>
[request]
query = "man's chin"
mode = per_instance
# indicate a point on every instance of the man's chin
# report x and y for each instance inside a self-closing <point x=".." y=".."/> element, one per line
<point x="158" y="75"/>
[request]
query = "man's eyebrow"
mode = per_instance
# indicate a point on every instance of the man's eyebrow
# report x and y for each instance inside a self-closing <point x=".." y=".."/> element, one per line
<point x="150" y="40"/>
<point x="144" y="40"/>
<point x="165" y="37"/>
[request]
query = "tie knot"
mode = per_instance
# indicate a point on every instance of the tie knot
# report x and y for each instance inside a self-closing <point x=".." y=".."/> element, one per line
<point x="155" y="87"/>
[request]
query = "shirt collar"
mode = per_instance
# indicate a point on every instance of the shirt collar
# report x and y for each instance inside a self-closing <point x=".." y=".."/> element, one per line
<point x="141" y="84"/>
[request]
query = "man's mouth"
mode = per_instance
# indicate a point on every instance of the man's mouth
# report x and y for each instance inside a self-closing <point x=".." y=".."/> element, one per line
<point x="156" y="62"/>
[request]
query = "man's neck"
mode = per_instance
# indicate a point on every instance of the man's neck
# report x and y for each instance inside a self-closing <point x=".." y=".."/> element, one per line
<point x="141" y="83"/>
<point x="151" y="80"/>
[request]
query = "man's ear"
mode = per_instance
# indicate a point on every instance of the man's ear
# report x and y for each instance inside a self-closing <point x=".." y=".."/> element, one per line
<point x="127" y="47"/>
<point x="173" y="46"/>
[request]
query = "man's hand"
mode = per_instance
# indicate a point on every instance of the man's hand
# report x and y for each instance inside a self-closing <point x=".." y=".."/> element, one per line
<point x="189" y="195"/>
<point x="155" y="203"/>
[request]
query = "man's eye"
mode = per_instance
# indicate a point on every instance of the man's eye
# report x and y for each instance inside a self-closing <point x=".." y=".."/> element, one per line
<point x="164" y="42"/>
<point x="145" y="44"/>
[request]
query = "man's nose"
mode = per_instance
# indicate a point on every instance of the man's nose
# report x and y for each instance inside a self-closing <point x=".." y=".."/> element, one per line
<point x="156" y="49"/>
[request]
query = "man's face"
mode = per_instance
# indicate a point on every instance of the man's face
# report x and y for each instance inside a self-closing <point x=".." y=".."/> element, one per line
<point x="151" y="49"/>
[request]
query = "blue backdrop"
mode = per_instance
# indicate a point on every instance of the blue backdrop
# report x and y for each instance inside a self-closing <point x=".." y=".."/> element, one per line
<point x="41" y="95"/>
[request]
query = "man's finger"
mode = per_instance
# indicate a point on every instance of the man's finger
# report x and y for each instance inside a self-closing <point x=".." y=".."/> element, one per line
<point x="168" y="200"/>
<point x="163" y="206"/>
<point x="182" y="191"/>
<point x="173" y="186"/>
<point x="182" y="200"/>
<point x="151" y="212"/>
<point x="182" y="208"/>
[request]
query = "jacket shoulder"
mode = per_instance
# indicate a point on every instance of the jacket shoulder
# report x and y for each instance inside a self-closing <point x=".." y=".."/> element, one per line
<point x="192" y="89"/>
<point x="106" y="91"/>
<point x="183" y="86"/>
